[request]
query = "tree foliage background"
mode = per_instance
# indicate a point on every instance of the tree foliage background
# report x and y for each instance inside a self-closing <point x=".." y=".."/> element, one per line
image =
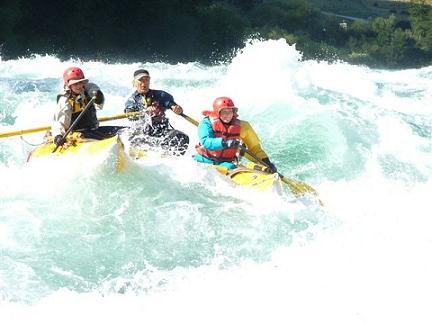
<point x="206" y="30"/>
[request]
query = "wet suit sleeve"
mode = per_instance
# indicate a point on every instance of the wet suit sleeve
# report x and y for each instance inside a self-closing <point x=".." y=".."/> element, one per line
<point x="131" y="104"/>
<point x="100" y="98"/>
<point x="62" y="117"/>
<point x="206" y="136"/>
<point x="165" y="99"/>
<point x="250" y="138"/>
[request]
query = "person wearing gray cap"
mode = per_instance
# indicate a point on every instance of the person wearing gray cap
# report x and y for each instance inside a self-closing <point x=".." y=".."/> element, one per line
<point x="152" y="121"/>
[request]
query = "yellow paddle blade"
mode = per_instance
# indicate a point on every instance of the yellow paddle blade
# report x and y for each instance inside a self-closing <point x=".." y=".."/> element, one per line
<point x="121" y="157"/>
<point x="299" y="188"/>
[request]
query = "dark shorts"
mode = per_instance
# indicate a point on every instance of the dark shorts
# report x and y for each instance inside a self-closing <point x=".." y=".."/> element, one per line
<point x="101" y="132"/>
<point x="172" y="141"/>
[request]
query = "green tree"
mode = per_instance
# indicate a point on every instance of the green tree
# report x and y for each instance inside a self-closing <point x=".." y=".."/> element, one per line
<point x="390" y="45"/>
<point x="292" y="15"/>
<point x="223" y="30"/>
<point x="421" y="24"/>
<point x="383" y="28"/>
<point x="10" y="17"/>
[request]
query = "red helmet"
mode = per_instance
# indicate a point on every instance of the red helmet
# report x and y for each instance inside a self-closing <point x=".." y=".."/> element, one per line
<point x="221" y="103"/>
<point x="73" y="75"/>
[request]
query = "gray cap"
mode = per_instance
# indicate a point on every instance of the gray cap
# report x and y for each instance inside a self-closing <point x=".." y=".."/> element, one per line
<point x="138" y="74"/>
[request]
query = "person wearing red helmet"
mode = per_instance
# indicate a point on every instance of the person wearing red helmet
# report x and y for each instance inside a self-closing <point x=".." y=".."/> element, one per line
<point x="151" y="126"/>
<point x="76" y="94"/>
<point x="220" y="133"/>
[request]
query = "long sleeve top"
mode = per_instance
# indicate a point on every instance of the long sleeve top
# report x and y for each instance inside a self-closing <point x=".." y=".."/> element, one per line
<point x="62" y="118"/>
<point x="247" y="135"/>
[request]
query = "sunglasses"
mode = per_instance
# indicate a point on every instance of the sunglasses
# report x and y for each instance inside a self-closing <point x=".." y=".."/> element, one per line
<point x="228" y="111"/>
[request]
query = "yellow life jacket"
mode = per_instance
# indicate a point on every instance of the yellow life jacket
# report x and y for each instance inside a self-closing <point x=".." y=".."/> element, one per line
<point x="78" y="103"/>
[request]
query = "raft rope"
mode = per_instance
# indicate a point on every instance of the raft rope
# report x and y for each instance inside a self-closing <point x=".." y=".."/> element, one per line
<point x="31" y="144"/>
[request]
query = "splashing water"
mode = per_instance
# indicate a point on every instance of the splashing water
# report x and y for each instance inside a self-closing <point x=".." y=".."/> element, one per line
<point x="166" y="241"/>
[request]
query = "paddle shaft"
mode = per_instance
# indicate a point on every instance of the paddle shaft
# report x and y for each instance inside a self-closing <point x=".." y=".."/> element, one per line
<point x="119" y="116"/>
<point x="71" y="127"/>
<point x="25" y="131"/>
<point x="46" y="128"/>
<point x="258" y="160"/>
<point x="189" y="119"/>
<point x="297" y="187"/>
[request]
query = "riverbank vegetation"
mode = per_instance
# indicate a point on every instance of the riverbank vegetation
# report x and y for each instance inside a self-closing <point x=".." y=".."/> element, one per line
<point x="211" y="31"/>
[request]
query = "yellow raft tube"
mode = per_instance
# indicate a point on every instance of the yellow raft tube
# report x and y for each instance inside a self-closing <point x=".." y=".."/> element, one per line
<point x="78" y="146"/>
<point x="249" y="175"/>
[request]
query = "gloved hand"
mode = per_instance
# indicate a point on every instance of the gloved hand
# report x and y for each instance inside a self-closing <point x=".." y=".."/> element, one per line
<point x="58" y="140"/>
<point x="271" y="167"/>
<point x="131" y="110"/>
<point x="176" y="109"/>
<point x="231" y="143"/>
<point x="98" y="96"/>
